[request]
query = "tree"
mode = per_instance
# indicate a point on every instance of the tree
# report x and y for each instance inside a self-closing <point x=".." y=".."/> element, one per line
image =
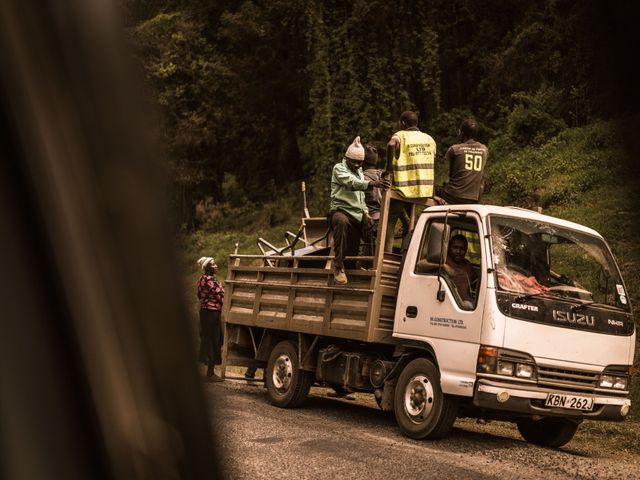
<point x="191" y="81"/>
<point x="369" y="61"/>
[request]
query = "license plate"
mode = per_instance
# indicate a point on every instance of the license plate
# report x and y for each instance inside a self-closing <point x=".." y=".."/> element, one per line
<point x="569" y="401"/>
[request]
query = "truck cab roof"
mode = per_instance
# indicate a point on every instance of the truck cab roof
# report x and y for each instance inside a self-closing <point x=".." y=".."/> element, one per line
<point x="511" y="211"/>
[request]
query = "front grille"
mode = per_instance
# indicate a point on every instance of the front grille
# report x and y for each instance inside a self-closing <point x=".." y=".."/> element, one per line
<point x="566" y="379"/>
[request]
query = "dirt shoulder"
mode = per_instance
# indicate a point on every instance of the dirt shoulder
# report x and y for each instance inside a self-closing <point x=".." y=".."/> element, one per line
<point x="609" y="439"/>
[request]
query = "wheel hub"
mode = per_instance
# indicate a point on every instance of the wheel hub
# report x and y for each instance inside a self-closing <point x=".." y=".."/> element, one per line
<point x="418" y="398"/>
<point x="282" y="372"/>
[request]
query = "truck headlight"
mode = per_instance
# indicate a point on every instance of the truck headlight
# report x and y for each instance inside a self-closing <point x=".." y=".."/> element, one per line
<point x="606" y="381"/>
<point x="616" y="377"/>
<point x="505" y="368"/>
<point x="509" y="363"/>
<point x="620" y="383"/>
<point x="524" y="370"/>
<point x="615" y="382"/>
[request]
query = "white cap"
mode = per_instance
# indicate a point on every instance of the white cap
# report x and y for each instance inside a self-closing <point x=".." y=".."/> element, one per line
<point x="204" y="261"/>
<point x="355" y="150"/>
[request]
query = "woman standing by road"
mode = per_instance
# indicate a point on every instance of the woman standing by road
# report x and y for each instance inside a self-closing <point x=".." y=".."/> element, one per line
<point x="211" y="296"/>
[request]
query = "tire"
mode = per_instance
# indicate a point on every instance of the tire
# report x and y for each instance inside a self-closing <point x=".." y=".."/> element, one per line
<point x="287" y="385"/>
<point x="421" y="409"/>
<point x="548" y="432"/>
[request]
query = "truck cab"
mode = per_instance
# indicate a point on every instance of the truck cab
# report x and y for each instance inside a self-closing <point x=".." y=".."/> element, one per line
<point x="530" y="324"/>
<point x="547" y="338"/>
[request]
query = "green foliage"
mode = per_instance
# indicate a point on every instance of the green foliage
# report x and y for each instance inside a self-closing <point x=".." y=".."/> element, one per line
<point x="277" y="90"/>
<point x="245" y="216"/>
<point x="369" y="61"/>
<point x="532" y="120"/>
<point x="446" y="127"/>
<point x="263" y="47"/>
<point x="556" y="173"/>
<point x="232" y="191"/>
<point x="190" y="80"/>
<point x="548" y="43"/>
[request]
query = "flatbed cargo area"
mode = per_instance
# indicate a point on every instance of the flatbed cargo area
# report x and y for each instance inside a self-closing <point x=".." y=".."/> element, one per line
<point x="299" y="298"/>
<point x="295" y="291"/>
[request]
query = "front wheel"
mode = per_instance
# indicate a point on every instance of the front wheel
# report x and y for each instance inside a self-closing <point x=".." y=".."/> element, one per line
<point x="421" y="409"/>
<point x="287" y="385"/>
<point x="548" y="432"/>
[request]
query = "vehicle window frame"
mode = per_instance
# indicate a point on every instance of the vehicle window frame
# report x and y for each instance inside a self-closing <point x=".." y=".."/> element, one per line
<point x="455" y="227"/>
<point x="605" y="248"/>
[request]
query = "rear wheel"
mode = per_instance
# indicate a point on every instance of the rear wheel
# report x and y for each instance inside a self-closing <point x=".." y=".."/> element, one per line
<point x="548" y="432"/>
<point x="421" y="409"/>
<point x="287" y="385"/>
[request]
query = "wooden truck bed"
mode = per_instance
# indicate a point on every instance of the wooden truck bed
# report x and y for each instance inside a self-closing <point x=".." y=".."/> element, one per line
<point x="300" y="298"/>
<point x="296" y="292"/>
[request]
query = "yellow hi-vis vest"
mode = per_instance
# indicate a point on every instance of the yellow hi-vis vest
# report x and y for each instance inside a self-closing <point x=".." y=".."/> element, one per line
<point x="413" y="169"/>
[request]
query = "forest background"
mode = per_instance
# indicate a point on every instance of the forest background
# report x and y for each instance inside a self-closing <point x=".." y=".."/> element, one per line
<point x="256" y="96"/>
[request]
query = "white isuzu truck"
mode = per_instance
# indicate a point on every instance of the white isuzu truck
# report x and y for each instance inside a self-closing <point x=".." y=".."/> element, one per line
<point x="543" y="335"/>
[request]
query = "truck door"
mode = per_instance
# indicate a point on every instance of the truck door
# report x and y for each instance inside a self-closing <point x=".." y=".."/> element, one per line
<point x="445" y="312"/>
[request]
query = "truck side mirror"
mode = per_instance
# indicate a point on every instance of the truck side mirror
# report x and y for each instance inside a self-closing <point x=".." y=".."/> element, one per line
<point x="437" y="237"/>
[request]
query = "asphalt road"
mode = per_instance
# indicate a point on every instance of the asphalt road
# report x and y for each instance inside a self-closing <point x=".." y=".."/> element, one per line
<point x="330" y="438"/>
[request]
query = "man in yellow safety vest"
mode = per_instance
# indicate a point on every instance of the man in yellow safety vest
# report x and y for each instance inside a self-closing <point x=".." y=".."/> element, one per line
<point x="410" y="158"/>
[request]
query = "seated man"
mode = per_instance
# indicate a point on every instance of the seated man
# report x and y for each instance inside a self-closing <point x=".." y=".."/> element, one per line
<point x="348" y="207"/>
<point x="457" y="267"/>
<point x="467" y="161"/>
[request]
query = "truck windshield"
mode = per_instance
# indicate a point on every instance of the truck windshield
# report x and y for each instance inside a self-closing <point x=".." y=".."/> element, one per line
<point x="538" y="259"/>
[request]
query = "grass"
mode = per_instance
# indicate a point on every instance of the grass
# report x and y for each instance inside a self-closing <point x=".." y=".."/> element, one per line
<point x="623" y="437"/>
<point x="222" y="244"/>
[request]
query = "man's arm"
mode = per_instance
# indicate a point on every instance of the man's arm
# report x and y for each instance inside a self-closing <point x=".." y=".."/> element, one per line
<point x="424" y="266"/>
<point x="345" y="177"/>
<point x="486" y="160"/>
<point x="448" y="157"/>
<point x="474" y="274"/>
<point x="393" y="150"/>
<point x="383" y="183"/>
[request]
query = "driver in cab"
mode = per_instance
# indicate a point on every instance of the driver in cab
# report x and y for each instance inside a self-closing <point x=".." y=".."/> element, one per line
<point x="457" y="267"/>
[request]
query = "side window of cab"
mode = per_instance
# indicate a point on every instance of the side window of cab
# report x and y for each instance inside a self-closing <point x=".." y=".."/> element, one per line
<point x="458" y="244"/>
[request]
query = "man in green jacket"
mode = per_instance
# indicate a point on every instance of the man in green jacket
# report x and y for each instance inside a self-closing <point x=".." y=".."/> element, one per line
<point x="348" y="209"/>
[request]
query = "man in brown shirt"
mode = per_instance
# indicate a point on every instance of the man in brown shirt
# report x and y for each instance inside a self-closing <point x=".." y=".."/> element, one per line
<point x="459" y="268"/>
<point x="467" y="161"/>
<point x="456" y="267"/>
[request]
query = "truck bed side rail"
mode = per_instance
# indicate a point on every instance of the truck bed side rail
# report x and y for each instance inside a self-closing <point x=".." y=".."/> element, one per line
<point x="299" y="295"/>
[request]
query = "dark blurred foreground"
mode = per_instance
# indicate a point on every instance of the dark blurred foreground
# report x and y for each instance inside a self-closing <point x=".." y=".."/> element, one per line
<point x="97" y="373"/>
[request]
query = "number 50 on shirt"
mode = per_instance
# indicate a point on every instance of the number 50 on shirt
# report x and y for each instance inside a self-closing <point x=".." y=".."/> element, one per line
<point x="473" y="162"/>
